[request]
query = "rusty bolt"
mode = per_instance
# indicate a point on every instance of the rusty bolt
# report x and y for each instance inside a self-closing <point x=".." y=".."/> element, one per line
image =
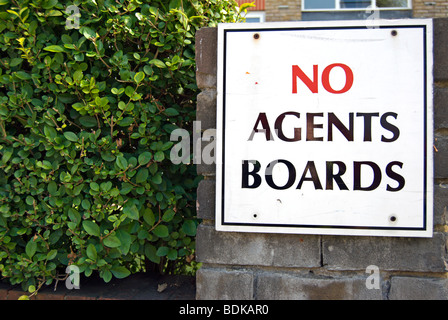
<point x="394" y="33"/>
<point x="256" y="36"/>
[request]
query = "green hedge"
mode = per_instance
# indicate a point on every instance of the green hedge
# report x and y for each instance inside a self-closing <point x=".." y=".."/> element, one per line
<point x="89" y="95"/>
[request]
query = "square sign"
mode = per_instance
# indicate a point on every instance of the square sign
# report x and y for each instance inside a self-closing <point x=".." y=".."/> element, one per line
<point x="325" y="128"/>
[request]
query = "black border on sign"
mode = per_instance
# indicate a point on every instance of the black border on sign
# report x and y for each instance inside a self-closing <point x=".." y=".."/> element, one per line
<point x="425" y="87"/>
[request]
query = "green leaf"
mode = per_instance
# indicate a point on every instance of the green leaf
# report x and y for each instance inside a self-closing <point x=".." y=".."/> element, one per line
<point x="159" y="156"/>
<point x="22" y="75"/>
<point x="148" y="216"/>
<point x="13" y="12"/>
<point x="126" y="188"/>
<point x="50" y="132"/>
<point x="91" y="252"/>
<point x="126" y="122"/>
<point x="151" y="253"/>
<point x="106" y="275"/>
<point x="148" y="70"/>
<point x="171" y="112"/>
<point x="29" y="200"/>
<point x="88" y="121"/>
<point x="157" y="179"/>
<point x="131" y="211"/>
<point x="139" y="76"/>
<point x="172" y="254"/>
<point x="125" y="240"/>
<point x="106" y="186"/>
<point x="111" y="241"/>
<point x="161" y="231"/>
<point x="15" y="62"/>
<point x="121" y="105"/>
<point x="31" y="248"/>
<point x="94" y="186"/>
<point x="52" y="188"/>
<point x="74" y="216"/>
<point x="71" y="136"/>
<point x="91" y="228"/>
<point x="107" y="156"/>
<point x="144" y="158"/>
<point x="129" y="91"/>
<point x="121" y="162"/>
<point x="87" y="32"/>
<point x="78" y="75"/>
<point x="52" y="254"/>
<point x="66" y="39"/>
<point x="48" y="4"/>
<point x="120" y="272"/>
<point x="168" y="215"/>
<point x="158" y="63"/>
<point x="85" y="204"/>
<point x="6" y="156"/>
<point x="162" y="251"/>
<point x="189" y="227"/>
<point x="54" y="48"/>
<point x="142" y="175"/>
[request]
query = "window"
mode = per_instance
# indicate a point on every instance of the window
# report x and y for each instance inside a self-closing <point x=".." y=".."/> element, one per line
<point x="328" y="5"/>
<point x="256" y="16"/>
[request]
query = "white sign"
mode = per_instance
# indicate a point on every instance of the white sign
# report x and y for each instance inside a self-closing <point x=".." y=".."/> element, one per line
<point x="325" y="128"/>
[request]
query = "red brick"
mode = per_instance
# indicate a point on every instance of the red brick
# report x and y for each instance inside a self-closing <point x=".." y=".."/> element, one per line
<point x="79" y="297"/>
<point x="49" y="296"/>
<point x="14" y="294"/>
<point x="3" y="294"/>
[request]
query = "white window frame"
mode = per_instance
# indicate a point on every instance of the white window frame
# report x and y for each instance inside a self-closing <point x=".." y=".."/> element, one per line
<point x="257" y="14"/>
<point x="372" y="6"/>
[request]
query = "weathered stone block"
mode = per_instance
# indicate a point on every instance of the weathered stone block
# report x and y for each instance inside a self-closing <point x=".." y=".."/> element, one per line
<point x="221" y="284"/>
<point x="440" y="49"/>
<point x="440" y="204"/>
<point x="205" y="203"/>
<point x="279" y="286"/>
<point x="206" y="81"/>
<point x="206" y="109"/>
<point x="440" y="156"/>
<point x="405" y="254"/>
<point x="280" y="250"/>
<point x="203" y="168"/>
<point x="411" y="288"/>
<point x="440" y="108"/>
<point x="206" y="56"/>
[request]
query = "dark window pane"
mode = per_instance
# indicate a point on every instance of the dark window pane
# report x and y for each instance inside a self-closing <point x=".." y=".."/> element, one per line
<point x="392" y="3"/>
<point x="353" y="4"/>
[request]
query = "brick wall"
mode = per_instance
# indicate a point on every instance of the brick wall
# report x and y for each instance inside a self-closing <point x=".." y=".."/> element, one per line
<point x="283" y="10"/>
<point x="430" y="9"/>
<point x="279" y="266"/>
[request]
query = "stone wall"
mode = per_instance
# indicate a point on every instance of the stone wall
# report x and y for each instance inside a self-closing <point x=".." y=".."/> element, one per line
<point x="283" y="10"/>
<point x="284" y="266"/>
<point x="430" y="9"/>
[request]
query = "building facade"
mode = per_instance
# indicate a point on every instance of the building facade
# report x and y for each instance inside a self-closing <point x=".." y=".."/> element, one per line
<point x="294" y="10"/>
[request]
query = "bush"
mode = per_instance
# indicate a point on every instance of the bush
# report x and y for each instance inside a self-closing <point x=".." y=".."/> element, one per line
<point x="89" y="94"/>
